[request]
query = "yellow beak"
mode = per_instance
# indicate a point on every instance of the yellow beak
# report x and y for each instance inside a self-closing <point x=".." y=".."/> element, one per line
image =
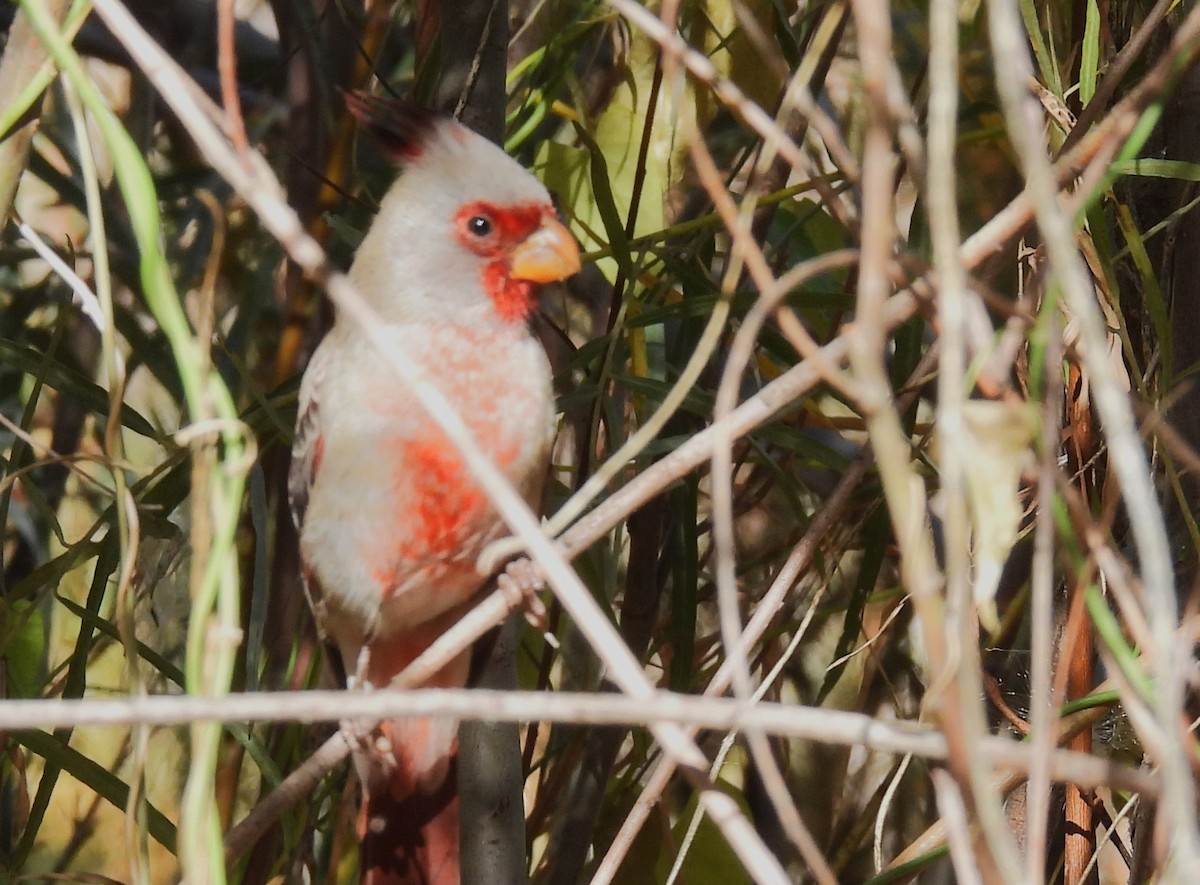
<point x="549" y="254"/>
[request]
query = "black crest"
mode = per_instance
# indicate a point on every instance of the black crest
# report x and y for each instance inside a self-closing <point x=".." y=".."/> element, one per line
<point x="401" y="127"/>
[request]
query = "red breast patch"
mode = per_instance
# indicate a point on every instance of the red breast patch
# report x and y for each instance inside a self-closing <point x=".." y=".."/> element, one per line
<point x="445" y="499"/>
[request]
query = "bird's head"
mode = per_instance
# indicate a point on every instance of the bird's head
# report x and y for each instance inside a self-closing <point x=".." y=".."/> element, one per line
<point x="465" y="234"/>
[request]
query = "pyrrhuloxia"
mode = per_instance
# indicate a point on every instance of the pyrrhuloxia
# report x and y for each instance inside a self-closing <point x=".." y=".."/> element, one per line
<point x="390" y="519"/>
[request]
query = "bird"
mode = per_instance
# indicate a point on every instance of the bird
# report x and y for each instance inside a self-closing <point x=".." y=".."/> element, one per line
<point x="390" y="520"/>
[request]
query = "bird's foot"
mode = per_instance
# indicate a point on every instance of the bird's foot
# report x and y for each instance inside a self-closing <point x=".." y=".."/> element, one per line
<point x="520" y="582"/>
<point x="358" y="734"/>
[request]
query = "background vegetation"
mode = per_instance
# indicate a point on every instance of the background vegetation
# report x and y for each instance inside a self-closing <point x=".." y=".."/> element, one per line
<point x="878" y="414"/>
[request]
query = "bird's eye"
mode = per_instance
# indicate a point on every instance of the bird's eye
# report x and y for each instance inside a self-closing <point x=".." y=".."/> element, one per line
<point x="479" y="225"/>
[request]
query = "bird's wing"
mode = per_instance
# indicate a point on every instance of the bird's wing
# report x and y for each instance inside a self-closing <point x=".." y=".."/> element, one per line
<point x="307" y="446"/>
<point x="306" y="449"/>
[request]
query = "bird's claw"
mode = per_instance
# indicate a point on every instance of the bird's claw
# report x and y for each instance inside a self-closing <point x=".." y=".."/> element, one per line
<point x="520" y="582"/>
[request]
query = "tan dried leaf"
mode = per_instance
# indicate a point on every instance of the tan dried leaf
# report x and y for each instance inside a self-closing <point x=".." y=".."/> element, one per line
<point x="999" y="433"/>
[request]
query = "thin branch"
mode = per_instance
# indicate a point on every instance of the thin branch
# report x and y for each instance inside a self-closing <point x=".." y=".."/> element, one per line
<point x="965" y="711"/>
<point x="1126" y="455"/>
<point x="703" y="70"/>
<point x="823" y="524"/>
<point x="738" y="221"/>
<point x="658" y="709"/>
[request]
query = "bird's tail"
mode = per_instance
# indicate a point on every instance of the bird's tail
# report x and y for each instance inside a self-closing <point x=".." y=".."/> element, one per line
<point x="408" y="823"/>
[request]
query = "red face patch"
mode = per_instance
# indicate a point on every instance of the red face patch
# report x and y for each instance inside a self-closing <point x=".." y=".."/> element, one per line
<point x="492" y="232"/>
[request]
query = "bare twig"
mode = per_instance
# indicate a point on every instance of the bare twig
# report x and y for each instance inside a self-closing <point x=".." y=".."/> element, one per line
<point x="701" y="68"/>
<point x="1042" y="702"/>
<point x="653" y="711"/>
<point x="962" y="722"/>
<point x="820" y="528"/>
<point x="965" y="711"/>
<point x="299" y="785"/>
<point x="1126" y="455"/>
<point x="745" y="250"/>
<point x="227" y="67"/>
